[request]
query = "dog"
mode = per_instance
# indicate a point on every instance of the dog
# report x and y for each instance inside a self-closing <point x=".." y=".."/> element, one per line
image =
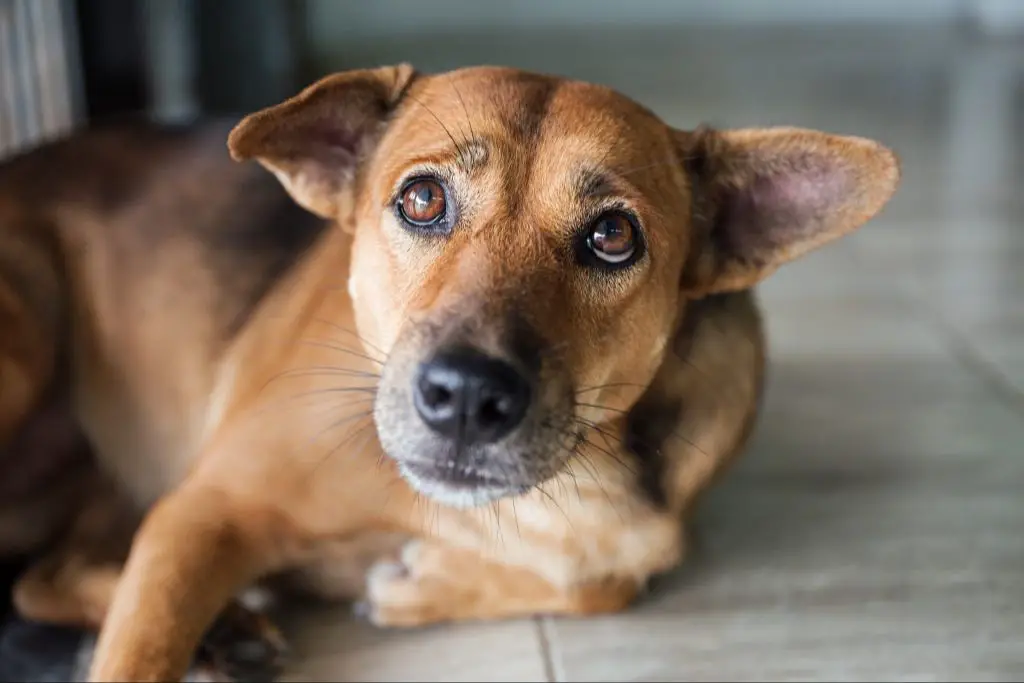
<point x="458" y="346"/>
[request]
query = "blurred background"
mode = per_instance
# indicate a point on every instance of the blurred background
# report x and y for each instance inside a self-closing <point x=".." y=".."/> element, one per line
<point x="903" y="70"/>
<point x="874" y="533"/>
<point x="73" y="60"/>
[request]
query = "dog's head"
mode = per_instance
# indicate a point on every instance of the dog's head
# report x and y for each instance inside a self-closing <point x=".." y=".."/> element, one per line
<point x="523" y="245"/>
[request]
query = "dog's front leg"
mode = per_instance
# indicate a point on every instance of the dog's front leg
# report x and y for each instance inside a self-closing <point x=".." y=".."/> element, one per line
<point x="196" y="549"/>
<point x="434" y="582"/>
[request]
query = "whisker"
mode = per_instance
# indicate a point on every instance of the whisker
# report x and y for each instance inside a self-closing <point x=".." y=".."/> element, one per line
<point x="289" y="402"/>
<point x="609" y="452"/>
<point x="328" y="370"/>
<point x="351" y="437"/>
<point x="540" y="489"/>
<point x="561" y="487"/>
<point x="389" y="487"/>
<point x="585" y="461"/>
<point x="339" y="423"/>
<point x="465" y="109"/>
<point x="515" y="517"/>
<point x="361" y="339"/>
<point x="497" y="522"/>
<point x="577" y="455"/>
<point x="607" y="434"/>
<point x="569" y="437"/>
<point x="367" y="439"/>
<point x="585" y="458"/>
<point x="672" y="162"/>
<point x="328" y="391"/>
<point x="340" y="349"/>
<point x="613" y="385"/>
<point x="458" y="147"/>
<point x="575" y="482"/>
<point x="327" y="456"/>
<point x="317" y="408"/>
<point x="673" y="434"/>
<point x="595" y="406"/>
<point x="494" y="505"/>
<point x="604" y="157"/>
<point x="437" y="521"/>
<point x="688" y="441"/>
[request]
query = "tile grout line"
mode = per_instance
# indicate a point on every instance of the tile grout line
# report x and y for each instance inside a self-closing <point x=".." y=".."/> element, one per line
<point x="545" y="639"/>
<point x="959" y="346"/>
<point x="967" y="355"/>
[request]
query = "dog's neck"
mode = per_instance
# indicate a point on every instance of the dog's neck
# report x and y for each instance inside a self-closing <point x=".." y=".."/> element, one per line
<point x="314" y="289"/>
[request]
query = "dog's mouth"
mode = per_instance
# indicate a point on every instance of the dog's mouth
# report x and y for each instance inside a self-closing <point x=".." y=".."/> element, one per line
<point x="458" y="484"/>
<point x="454" y="475"/>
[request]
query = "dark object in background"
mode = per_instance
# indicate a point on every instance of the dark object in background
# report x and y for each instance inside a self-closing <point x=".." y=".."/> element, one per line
<point x="180" y="57"/>
<point x="249" y="53"/>
<point x="112" y="56"/>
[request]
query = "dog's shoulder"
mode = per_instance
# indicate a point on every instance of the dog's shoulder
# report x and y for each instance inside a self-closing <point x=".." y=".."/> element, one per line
<point x="715" y="366"/>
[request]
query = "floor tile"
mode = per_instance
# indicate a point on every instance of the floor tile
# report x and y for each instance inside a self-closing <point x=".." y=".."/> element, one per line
<point x="332" y="645"/>
<point x="863" y="537"/>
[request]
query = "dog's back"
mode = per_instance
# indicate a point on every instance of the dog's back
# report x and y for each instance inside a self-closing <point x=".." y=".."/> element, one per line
<point x="144" y="247"/>
<point x="149" y="203"/>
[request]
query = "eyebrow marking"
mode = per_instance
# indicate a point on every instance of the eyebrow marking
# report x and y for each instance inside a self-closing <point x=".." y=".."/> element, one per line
<point x="472" y="155"/>
<point x="591" y="184"/>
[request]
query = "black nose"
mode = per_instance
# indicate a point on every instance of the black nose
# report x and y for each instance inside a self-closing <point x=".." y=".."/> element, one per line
<point x="471" y="397"/>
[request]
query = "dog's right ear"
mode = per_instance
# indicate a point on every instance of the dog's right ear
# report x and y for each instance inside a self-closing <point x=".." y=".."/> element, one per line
<point x="764" y="197"/>
<point x="314" y="141"/>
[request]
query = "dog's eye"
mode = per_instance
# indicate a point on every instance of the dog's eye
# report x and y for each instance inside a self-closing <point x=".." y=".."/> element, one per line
<point x="422" y="202"/>
<point x="613" y="238"/>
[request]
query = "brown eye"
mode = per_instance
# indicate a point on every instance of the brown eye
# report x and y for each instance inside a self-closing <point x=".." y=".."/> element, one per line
<point x="423" y="202"/>
<point x="613" y="238"/>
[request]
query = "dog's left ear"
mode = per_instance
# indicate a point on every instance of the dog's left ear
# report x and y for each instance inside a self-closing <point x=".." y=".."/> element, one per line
<point x="314" y="141"/>
<point x="763" y="197"/>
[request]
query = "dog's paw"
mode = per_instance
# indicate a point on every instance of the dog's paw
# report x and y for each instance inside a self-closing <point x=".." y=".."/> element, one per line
<point x="242" y="645"/>
<point x="413" y="591"/>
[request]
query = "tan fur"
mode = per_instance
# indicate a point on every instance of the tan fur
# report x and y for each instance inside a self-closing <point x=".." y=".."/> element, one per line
<point x="210" y="381"/>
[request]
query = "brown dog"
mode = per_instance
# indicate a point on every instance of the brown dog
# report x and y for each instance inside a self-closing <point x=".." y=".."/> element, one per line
<point x="522" y="336"/>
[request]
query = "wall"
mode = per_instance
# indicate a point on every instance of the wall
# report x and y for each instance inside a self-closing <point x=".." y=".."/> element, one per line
<point x="366" y="19"/>
<point x="359" y="32"/>
<point x="39" y="82"/>
<point x="331" y="22"/>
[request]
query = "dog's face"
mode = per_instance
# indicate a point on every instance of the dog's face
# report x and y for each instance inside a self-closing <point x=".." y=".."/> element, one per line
<point x="514" y="255"/>
<point x="524" y="245"/>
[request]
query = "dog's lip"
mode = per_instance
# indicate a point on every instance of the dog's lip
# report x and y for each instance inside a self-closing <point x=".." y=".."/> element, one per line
<point x="455" y="474"/>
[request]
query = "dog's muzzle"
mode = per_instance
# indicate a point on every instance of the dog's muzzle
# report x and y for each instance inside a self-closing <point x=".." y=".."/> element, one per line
<point x="469" y="401"/>
<point x="472" y="417"/>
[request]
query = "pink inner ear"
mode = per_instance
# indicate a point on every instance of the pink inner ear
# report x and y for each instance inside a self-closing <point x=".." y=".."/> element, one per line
<point x="786" y="206"/>
<point x="337" y="137"/>
<point x="331" y="144"/>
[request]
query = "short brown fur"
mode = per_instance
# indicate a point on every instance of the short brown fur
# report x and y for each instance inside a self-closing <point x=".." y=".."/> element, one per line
<point x="240" y="367"/>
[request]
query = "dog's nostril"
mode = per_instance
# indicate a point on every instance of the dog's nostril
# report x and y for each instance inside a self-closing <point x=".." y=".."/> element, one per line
<point x="493" y="410"/>
<point x="435" y="395"/>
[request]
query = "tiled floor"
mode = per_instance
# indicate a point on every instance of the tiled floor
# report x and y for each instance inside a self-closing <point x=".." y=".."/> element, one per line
<point x="875" y="531"/>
